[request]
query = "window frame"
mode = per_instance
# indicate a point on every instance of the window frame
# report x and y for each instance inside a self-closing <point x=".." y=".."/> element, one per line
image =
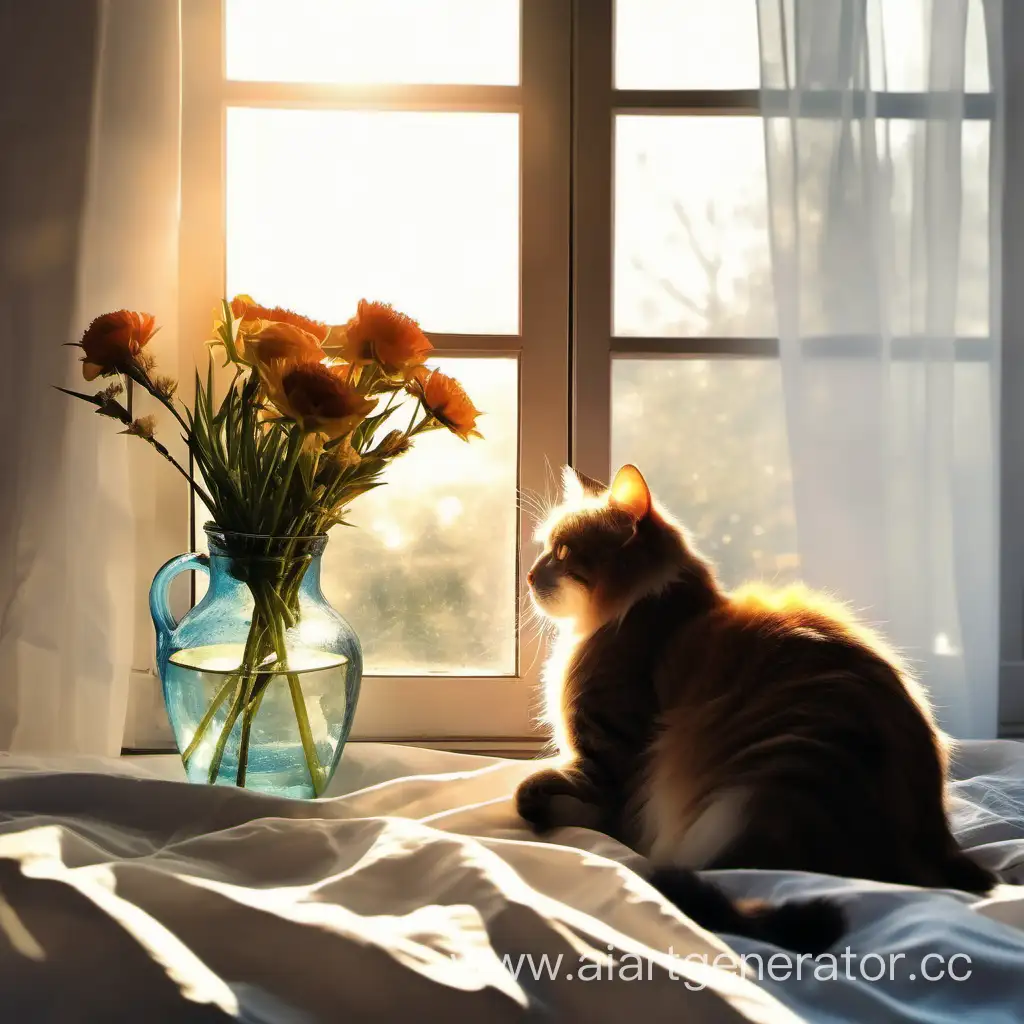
<point x="1008" y="253"/>
<point x="567" y="102"/>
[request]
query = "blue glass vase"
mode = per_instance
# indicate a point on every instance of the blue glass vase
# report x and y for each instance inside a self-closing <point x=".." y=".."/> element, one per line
<point x="261" y="677"/>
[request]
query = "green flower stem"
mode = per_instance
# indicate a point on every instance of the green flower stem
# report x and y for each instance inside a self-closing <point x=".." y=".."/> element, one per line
<point x="204" y="722"/>
<point x="292" y="589"/>
<point x="251" y="699"/>
<point x="222" y="695"/>
<point x="140" y="376"/>
<point x="245" y="682"/>
<point x="251" y="711"/>
<point x="415" y="410"/>
<point x="248" y="713"/>
<point x="162" y="450"/>
<point x="301" y="717"/>
<point x="306" y="734"/>
<point x="292" y="458"/>
<point x="252" y="657"/>
<point x="229" y="724"/>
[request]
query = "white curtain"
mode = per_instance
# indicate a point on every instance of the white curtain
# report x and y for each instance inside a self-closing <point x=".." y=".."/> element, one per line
<point x="88" y="223"/>
<point x="884" y="221"/>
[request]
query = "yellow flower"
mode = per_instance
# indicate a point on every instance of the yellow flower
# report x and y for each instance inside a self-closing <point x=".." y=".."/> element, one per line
<point x="315" y="396"/>
<point x="378" y="333"/>
<point x="446" y="400"/>
<point x="243" y="308"/>
<point x="268" y="341"/>
<point x="113" y="341"/>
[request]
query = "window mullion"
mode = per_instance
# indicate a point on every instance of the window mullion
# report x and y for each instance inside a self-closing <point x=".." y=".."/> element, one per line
<point x="544" y="362"/>
<point x="592" y="237"/>
<point x="366" y="97"/>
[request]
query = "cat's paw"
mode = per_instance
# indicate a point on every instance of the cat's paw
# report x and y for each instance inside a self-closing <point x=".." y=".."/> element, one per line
<point x="553" y="799"/>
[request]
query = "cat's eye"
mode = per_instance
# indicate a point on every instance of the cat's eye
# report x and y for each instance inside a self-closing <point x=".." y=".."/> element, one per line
<point x="561" y="553"/>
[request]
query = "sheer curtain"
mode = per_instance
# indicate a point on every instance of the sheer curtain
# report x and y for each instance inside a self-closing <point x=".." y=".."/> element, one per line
<point x="884" y="219"/>
<point x="88" y="222"/>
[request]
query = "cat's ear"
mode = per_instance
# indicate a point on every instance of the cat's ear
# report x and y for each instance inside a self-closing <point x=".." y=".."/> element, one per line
<point x="630" y="492"/>
<point x="577" y="485"/>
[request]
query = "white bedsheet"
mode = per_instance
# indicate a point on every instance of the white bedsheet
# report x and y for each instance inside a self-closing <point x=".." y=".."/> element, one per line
<point x="411" y="894"/>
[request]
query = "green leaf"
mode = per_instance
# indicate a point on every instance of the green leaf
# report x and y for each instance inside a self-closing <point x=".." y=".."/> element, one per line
<point x="209" y="389"/>
<point x="333" y="443"/>
<point x="91" y="399"/>
<point x="115" y="410"/>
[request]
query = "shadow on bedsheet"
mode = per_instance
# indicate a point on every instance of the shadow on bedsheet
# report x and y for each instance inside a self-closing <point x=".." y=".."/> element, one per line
<point x="912" y="955"/>
<point x="909" y="956"/>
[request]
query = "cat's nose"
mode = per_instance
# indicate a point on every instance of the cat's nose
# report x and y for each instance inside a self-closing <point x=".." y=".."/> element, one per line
<point x="529" y="577"/>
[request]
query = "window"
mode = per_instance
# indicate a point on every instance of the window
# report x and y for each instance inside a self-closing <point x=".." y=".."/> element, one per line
<point x="478" y="163"/>
<point x="417" y="152"/>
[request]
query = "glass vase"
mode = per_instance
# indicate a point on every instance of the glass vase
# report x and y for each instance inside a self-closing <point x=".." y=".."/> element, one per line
<point x="261" y="677"/>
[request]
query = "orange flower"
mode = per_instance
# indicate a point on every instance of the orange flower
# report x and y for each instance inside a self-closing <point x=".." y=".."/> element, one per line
<point x="113" y="341"/>
<point x="267" y="341"/>
<point x="243" y="308"/>
<point x="446" y="400"/>
<point x="317" y="397"/>
<point x="378" y="333"/>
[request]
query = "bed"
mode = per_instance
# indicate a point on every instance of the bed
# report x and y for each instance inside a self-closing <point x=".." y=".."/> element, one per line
<point x="411" y="893"/>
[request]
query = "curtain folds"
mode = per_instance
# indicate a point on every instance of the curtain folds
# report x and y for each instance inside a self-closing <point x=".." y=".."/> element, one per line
<point x="884" y="208"/>
<point x="88" y="222"/>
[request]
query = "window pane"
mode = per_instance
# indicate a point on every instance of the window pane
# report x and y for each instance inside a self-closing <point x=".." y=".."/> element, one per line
<point x="325" y="207"/>
<point x="904" y="141"/>
<point x="710" y="435"/>
<point x="419" y="42"/>
<point x="691" y="240"/>
<point x="426" y="574"/>
<point x="686" y="44"/>
<point x="899" y="33"/>
<point x="870" y="262"/>
<point x="972" y="313"/>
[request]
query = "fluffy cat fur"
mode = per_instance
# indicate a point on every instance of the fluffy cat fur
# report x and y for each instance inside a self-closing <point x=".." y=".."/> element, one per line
<point x="754" y="729"/>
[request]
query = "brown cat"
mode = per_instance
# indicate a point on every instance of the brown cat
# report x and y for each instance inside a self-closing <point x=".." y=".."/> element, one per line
<point x="754" y="729"/>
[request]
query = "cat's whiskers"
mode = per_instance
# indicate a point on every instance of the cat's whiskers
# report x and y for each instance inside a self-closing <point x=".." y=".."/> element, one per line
<point x="533" y="504"/>
<point x="535" y="628"/>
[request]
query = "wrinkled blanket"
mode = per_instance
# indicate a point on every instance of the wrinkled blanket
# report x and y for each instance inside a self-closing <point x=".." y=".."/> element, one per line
<point x="412" y="893"/>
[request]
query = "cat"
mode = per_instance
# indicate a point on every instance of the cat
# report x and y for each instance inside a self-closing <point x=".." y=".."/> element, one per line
<point x="707" y="729"/>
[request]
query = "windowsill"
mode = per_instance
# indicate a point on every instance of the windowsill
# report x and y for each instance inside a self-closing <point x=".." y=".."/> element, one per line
<point x="485" y="747"/>
<point x="430" y="713"/>
<point x="363" y="765"/>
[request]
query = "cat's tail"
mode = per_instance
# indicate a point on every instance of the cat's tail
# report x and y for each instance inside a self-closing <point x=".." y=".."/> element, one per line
<point x="803" y="926"/>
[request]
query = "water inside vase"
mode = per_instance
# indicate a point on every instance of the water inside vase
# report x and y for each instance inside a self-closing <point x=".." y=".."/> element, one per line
<point x="276" y="762"/>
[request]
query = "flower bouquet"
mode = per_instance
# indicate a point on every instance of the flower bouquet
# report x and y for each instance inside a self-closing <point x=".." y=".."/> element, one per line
<point x="309" y="418"/>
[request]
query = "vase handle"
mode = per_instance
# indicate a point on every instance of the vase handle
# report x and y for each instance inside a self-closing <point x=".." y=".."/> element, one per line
<point x="159" y="591"/>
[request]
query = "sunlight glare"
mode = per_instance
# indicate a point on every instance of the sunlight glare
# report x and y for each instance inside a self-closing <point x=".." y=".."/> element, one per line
<point x="412" y="42"/>
<point x="389" y="532"/>
<point x="448" y="510"/>
<point x="419" y="209"/>
<point x="686" y="44"/>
